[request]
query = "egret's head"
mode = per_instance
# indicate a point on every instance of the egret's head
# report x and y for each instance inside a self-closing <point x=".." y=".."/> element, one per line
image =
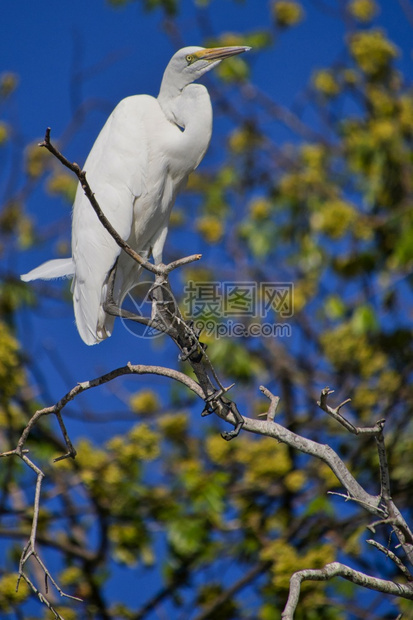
<point x="190" y="63"/>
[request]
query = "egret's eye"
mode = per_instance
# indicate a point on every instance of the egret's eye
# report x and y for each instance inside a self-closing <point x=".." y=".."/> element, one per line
<point x="189" y="59"/>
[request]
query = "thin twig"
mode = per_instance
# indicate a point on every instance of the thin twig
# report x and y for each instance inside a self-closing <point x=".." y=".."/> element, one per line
<point x="392" y="557"/>
<point x="29" y="549"/>
<point x="274" y="401"/>
<point x="334" y="413"/>
<point x="347" y="498"/>
<point x="384" y="467"/>
<point x="408" y="10"/>
<point x="246" y="579"/>
<point x="41" y="597"/>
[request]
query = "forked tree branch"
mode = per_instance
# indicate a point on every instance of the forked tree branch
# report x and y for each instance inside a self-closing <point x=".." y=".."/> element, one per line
<point x="402" y="530"/>
<point x="20" y="451"/>
<point x="266" y="428"/>
<point x="392" y="557"/>
<point x="209" y="388"/>
<point x="336" y="569"/>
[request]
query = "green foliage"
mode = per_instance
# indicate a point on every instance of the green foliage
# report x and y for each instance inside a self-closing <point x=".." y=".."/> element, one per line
<point x="8" y="83"/>
<point x="37" y="160"/>
<point x="285" y="561"/>
<point x="4" y="132"/>
<point x="64" y="185"/>
<point x="334" y="218"/>
<point x="9" y="598"/>
<point x="14" y="295"/>
<point x="328" y="209"/>
<point x="325" y="82"/>
<point x="373" y="53"/>
<point x="169" y="6"/>
<point x="144" y="402"/>
<point x="363" y="10"/>
<point x="210" y="228"/>
<point x="236" y="70"/>
<point x="258" y="229"/>
<point x="11" y="373"/>
<point x="208" y="595"/>
<point x="235" y="360"/>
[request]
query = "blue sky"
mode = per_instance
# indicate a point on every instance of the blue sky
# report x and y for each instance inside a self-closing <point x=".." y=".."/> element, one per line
<point x="44" y="43"/>
<point x="123" y="52"/>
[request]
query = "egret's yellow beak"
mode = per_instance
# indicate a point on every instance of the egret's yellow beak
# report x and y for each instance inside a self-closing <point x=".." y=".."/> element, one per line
<point x="219" y="53"/>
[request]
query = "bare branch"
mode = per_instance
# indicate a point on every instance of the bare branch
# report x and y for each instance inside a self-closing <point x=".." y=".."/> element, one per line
<point x="209" y="388"/>
<point x="173" y="324"/>
<point x="347" y="497"/>
<point x="241" y="583"/>
<point x="401" y="529"/>
<point x="321" y="451"/>
<point x="334" y="413"/>
<point x="81" y="175"/>
<point x="29" y="549"/>
<point x="87" y="385"/>
<point x="408" y="10"/>
<point x="392" y="557"/>
<point x="336" y="569"/>
<point x="274" y="401"/>
<point x="389" y="509"/>
<point x="41" y="597"/>
<point x="384" y="467"/>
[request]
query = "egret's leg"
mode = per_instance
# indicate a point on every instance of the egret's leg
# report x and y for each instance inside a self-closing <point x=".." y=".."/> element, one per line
<point x="111" y="307"/>
<point x="157" y="249"/>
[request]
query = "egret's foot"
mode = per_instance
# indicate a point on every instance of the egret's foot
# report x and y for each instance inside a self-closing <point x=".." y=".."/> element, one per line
<point x="211" y="404"/>
<point x="156" y="295"/>
<point x="195" y="353"/>
<point x="239" y="422"/>
<point x="207" y="410"/>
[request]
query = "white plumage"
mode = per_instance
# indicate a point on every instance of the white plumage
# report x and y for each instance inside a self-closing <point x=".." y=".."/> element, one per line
<point x="140" y="160"/>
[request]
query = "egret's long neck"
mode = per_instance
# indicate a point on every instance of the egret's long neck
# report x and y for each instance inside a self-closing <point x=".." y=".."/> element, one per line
<point x="169" y="92"/>
<point x="191" y="110"/>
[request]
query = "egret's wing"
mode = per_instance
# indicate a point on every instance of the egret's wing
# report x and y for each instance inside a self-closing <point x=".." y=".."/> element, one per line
<point x="116" y="169"/>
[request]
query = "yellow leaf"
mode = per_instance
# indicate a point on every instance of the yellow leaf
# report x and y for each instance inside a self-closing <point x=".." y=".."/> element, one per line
<point x="144" y="402"/>
<point x="363" y="10"/>
<point x="287" y="13"/>
<point x="210" y="228"/>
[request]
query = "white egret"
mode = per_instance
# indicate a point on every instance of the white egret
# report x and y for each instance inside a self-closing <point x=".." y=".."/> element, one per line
<point x="139" y="162"/>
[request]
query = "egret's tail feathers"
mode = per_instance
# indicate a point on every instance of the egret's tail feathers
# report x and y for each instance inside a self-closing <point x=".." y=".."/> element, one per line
<point x="58" y="268"/>
<point x="93" y="324"/>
